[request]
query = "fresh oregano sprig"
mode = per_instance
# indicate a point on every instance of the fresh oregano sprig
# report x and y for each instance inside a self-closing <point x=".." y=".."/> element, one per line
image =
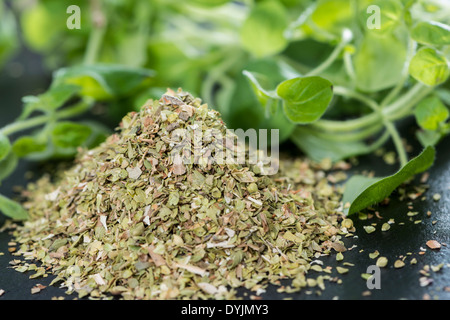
<point x="306" y="96"/>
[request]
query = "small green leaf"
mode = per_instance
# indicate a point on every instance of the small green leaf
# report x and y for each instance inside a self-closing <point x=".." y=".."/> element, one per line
<point x="444" y="95"/>
<point x="26" y="145"/>
<point x="431" y="33"/>
<point x="8" y="165"/>
<point x="266" y="97"/>
<point x="355" y="185"/>
<point x="264" y="75"/>
<point x="318" y="148"/>
<point x="332" y="16"/>
<point x="5" y="146"/>
<point x="246" y="112"/>
<point x="428" y="138"/>
<point x="12" y="209"/>
<point x="305" y="99"/>
<point x="8" y="33"/>
<point x="429" y="67"/>
<point x="430" y="112"/>
<point x="69" y="134"/>
<point x="104" y="81"/>
<point x="208" y="3"/>
<point x="379" y="62"/>
<point x="52" y="99"/>
<point x="262" y="33"/>
<point x="362" y="192"/>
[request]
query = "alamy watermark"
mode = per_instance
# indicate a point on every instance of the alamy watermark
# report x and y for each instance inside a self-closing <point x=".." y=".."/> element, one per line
<point x="374" y="281"/>
<point x="374" y="20"/>
<point x="74" y="20"/>
<point x="201" y="145"/>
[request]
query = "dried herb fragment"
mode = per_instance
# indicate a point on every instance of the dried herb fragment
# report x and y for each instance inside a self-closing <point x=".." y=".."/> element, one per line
<point x="342" y="270"/>
<point x="374" y="254"/>
<point x="369" y="229"/>
<point x="436" y="197"/>
<point x="433" y="244"/>
<point x="382" y="262"/>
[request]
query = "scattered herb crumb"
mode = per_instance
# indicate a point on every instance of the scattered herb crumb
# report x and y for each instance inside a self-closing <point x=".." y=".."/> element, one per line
<point x="385" y="226"/>
<point x="342" y="270"/>
<point x="37" y="288"/>
<point x="382" y="262"/>
<point x="374" y="254"/>
<point x="433" y="244"/>
<point x="369" y="229"/>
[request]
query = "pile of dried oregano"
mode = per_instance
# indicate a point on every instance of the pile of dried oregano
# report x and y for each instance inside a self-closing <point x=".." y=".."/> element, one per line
<point x="131" y="220"/>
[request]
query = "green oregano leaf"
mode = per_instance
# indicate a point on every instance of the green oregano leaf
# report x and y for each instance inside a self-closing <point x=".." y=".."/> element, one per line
<point x="379" y="61"/>
<point x="70" y="134"/>
<point x="266" y="97"/>
<point x="332" y="16"/>
<point x="362" y="192"/>
<point x="12" y="209"/>
<point x="5" y="146"/>
<point x="431" y="33"/>
<point x="305" y="99"/>
<point x="262" y="33"/>
<point x="428" y="137"/>
<point x="26" y="145"/>
<point x="8" y="165"/>
<point x="104" y="81"/>
<point x="430" y="112"/>
<point x="208" y="3"/>
<point x="52" y="99"/>
<point x="429" y="67"/>
<point x="318" y="148"/>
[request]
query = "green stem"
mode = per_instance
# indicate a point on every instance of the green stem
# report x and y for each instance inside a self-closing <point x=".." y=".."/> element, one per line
<point x="93" y="46"/>
<point x="393" y="112"/>
<point x="346" y="136"/>
<point x="355" y="95"/>
<point x="97" y="33"/>
<point x="387" y="123"/>
<point x="347" y="125"/>
<point x="40" y="120"/>
<point x="380" y="141"/>
<point x="404" y="104"/>
<point x="348" y="64"/>
<point x="405" y="75"/>
<point x="397" y="142"/>
<point x="331" y="58"/>
<point x="232" y="55"/>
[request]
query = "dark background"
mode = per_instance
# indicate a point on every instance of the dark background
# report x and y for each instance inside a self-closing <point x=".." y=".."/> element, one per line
<point x="25" y="75"/>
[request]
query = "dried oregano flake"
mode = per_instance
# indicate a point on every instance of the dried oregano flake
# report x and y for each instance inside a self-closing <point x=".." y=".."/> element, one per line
<point x="131" y="220"/>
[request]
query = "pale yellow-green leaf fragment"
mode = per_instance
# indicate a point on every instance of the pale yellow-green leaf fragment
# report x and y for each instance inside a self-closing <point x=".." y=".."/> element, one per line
<point x="399" y="264"/>
<point x="382" y="262"/>
<point x="374" y="254"/>
<point x="342" y="270"/>
<point x="369" y="229"/>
